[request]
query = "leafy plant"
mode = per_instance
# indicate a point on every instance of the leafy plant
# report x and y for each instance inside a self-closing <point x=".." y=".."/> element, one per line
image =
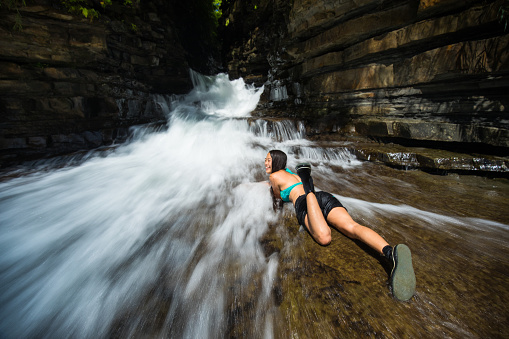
<point x="81" y="7"/>
<point x="217" y="9"/>
<point x="40" y="65"/>
<point x="14" y="5"/>
<point x="130" y="3"/>
<point x="84" y="8"/>
<point x="503" y="12"/>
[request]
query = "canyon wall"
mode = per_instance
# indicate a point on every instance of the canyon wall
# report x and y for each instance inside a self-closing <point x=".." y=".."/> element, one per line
<point x="428" y="72"/>
<point x="68" y="83"/>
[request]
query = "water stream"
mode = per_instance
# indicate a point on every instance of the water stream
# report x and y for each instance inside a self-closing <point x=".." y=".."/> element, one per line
<point x="173" y="235"/>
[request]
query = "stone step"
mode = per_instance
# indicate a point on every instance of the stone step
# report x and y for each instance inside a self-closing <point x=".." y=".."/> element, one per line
<point x="431" y="160"/>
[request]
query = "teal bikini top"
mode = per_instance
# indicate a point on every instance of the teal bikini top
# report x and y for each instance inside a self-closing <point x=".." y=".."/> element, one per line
<point x="285" y="194"/>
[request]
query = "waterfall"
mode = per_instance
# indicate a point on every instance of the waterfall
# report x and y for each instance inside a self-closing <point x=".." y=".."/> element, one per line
<point x="172" y="235"/>
<point x="173" y="217"/>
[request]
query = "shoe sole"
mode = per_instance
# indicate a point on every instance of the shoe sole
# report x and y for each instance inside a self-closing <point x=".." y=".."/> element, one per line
<point x="403" y="275"/>
<point x="304" y="165"/>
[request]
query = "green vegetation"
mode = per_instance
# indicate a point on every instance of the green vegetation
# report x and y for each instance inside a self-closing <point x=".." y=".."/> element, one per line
<point x="14" y="5"/>
<point x="208" y="9"/>
<point x="77" y="7"/>
<point x="84" y="7"/>
<point x="217" y="9"/>
<point x="40" y="65"/>
<point x="503" y="11"/>
<point x="81" y="7"/>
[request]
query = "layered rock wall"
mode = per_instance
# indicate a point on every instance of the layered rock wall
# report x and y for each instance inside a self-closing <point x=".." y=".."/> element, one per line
<point x="67" y="83"/>
<point x="418" y="72"/>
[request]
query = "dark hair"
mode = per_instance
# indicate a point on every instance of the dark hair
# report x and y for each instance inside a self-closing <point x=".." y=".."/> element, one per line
<point x="278" y="163"/>
<point x="278" y="160"/>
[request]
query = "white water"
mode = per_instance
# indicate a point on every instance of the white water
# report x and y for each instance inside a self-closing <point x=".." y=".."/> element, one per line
<point x="170" y="216"/>
<point x="160" y="237"/>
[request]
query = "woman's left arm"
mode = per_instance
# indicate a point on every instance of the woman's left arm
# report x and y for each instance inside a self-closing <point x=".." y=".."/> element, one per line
<point x="277" y="202"/>
<point x="274" y="185"/>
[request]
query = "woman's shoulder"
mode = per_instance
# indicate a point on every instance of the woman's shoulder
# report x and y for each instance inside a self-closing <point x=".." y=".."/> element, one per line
<point x="281" y="175"/>
<point x="277" y="175"/>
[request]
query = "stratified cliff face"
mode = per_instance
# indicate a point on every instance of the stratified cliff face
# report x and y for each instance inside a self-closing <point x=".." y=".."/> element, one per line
<point x="67" y="83"/>
<point x="433" y="72"/>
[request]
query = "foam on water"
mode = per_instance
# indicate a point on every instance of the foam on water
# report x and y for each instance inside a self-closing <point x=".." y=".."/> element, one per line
<point x="174" y="216"/>
<point x="221" y="97"/>
<point x="82" y="244"/>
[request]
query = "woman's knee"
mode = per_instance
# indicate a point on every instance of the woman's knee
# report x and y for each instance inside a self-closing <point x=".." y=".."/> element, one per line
<point x="324" y="237"/>
<point x="321" y="232"/>
<point x="324" y="240"/>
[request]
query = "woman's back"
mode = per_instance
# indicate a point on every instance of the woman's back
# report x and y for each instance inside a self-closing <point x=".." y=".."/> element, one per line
<point x="287" y="184"/>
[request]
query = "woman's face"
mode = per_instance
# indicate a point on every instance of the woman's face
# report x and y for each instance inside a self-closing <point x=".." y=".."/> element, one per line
<point x="268" y="164"/>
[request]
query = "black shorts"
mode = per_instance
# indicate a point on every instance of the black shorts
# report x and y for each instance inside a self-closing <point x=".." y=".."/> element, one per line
<point x="326" y="201"/>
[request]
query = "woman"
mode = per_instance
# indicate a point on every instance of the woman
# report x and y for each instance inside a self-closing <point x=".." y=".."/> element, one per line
<point x="317" y="210"/>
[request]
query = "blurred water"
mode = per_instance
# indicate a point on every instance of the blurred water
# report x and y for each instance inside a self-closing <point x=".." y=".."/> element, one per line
<point x="161" y="236"/>
<point x="83" y="243"/>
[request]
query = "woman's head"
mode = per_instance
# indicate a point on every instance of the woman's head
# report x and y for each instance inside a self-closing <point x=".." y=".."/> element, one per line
<point x="275" y="161"/>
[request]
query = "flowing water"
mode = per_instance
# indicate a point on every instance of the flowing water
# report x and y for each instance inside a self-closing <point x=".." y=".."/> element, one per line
<point x="173" y="235"/>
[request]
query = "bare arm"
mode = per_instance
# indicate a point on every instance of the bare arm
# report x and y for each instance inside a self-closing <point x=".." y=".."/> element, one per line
<point x="277" y="202"/>
<point x="274" y="185"/>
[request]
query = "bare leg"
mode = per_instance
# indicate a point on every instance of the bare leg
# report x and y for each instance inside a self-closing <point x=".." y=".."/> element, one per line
<point x="315" y="222"/>
<point x="402" y="278"/>
<point x="343" y="222"/>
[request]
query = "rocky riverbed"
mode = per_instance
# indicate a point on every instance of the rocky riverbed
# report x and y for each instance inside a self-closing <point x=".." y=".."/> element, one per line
<point x="456" y="227"/>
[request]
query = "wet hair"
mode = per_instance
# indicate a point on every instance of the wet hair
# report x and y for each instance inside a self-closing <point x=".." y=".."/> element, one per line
<point x="278" y="163"/>
<point x="278" y="160"/>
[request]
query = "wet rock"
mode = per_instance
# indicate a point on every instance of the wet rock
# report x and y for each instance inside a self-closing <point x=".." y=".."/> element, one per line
<point x="418" y="70"/>
<point x="62" y="75"/>
<point x="433" y="131"/>
<point x="94" y="139"/>
<point x="13" y="143"/>
<point x="431" y="160"/>
<point x="36" y="142"/>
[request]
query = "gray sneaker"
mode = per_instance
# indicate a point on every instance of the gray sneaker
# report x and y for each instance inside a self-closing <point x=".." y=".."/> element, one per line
<point x="402" y="276"/>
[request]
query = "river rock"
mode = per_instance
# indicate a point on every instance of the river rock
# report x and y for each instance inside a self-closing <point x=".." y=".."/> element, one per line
<point x="431" y="160"/>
